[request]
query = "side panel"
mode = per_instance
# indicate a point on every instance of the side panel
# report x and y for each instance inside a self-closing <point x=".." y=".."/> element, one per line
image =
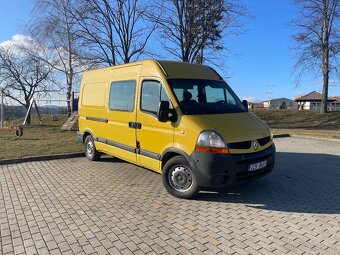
<point x="92" y="107"/>
<point x="186" y="134"/>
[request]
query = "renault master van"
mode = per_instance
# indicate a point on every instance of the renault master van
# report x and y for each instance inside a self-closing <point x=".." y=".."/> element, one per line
<point x="178" y="119"/>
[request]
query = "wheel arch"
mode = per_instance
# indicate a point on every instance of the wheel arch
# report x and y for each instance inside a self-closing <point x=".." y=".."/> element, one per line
<point x="173" y="152"/>
<point x="86" y="133"/>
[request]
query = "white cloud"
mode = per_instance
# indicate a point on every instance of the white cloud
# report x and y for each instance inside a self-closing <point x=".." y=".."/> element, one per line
<point x="18" y="43"/>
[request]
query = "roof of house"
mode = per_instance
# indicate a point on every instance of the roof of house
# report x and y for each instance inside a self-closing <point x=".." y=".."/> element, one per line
<point x="312" y="96"/>
<point x="278" y="99"/>
<point x="336" y="99"/>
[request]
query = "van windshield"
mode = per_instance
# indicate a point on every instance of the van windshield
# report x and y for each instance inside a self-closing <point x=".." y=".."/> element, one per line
<point x="205" y="96"/>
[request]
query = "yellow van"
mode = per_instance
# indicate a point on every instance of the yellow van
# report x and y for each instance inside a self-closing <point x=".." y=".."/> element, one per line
<point x="178" y="119"/>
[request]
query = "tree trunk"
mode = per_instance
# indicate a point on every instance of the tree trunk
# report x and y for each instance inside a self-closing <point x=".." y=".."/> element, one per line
<point x="28" y="120"/>
<point x="69" y="73"/>
<point x="68" y="97"/>
<point x="325" y="58"/>
<point x="325" y="74"/>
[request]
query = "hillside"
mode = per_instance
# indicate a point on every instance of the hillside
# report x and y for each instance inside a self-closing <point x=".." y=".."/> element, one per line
<point x="306" y="123"/>
<point x="300" y="119"/>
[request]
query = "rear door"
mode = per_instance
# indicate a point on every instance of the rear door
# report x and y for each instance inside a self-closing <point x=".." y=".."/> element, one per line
<point x="153" y="136"/>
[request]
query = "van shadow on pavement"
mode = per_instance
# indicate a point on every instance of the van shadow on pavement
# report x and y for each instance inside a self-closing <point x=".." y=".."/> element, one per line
<point x="300" y="182"/>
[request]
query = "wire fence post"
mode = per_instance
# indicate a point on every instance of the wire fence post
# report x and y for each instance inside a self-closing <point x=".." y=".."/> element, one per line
<point x="2" y="108"/>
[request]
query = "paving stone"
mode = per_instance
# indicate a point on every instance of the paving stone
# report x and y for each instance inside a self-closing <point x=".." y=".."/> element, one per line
<point x="74" y="206"/>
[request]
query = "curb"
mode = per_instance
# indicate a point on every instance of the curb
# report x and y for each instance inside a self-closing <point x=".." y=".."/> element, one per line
<point x="281" y="136"/>
<point x="41" y="158"/>
<point x="316" y="138"/>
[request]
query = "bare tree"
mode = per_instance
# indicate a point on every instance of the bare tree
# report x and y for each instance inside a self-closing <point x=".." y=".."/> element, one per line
<point x="24" y="76"/>
<point x="191" y="26"/>
<point x="116" y="30"/>
<point x="317" y="40"/>
<point x="55" y="29"/>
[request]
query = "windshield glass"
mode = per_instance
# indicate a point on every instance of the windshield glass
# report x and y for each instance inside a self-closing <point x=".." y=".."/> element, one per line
<point x="205" y="96"/>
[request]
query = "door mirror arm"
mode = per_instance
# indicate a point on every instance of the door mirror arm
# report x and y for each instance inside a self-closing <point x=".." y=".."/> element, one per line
<point x="163" y="111"/>
<point x="173" y="115"/>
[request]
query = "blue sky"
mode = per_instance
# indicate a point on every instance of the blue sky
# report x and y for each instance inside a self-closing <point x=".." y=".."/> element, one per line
<point x="261" y="65"/>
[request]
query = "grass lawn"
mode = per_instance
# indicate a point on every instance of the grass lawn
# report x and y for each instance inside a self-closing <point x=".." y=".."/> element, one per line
<point x="306" y="123"/>
<point x="48" y="139"/>
<point x="38" y="139"/>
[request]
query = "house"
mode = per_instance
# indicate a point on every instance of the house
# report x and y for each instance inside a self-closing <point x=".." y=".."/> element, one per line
<point x="253" y="105"/>
<point x="280" y="103"/>
<point x="312" y="101"/>
<point x="335" y="105"/>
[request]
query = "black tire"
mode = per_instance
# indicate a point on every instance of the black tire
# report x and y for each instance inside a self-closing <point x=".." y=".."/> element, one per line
<point x="179" y="179"/>
<point x="90" y="149"/>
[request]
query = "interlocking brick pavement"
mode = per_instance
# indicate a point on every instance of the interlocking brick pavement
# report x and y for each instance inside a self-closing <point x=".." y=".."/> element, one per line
<point x="74" y="206"/>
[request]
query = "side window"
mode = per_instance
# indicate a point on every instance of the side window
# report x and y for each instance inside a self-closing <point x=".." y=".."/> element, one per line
<point x="122" y="96"/>
<point x="152" y="94"/>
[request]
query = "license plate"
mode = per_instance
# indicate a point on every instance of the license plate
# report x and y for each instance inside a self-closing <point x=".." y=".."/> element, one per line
<point x="257" y="166"/>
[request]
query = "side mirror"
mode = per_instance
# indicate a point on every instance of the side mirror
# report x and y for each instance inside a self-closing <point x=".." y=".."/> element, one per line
<point x="163" y="111"/>
<point x="245" y="104"/>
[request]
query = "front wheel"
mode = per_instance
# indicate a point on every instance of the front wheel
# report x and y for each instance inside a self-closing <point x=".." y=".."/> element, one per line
<point x="178" y="178"/>
<point x="90" y="149"/>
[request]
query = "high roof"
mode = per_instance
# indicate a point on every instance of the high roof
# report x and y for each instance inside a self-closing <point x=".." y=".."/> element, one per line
<point x="175" y="69"/>
<point x="171" y="69"/>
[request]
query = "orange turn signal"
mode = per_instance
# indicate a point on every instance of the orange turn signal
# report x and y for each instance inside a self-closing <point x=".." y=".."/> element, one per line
<point x="212" y="150"/>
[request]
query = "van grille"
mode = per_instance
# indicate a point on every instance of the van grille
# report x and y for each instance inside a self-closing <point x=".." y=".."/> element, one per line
<point x="240" y="145"/>
<point x="264" y="141"/>
<point x="247" y="144"/>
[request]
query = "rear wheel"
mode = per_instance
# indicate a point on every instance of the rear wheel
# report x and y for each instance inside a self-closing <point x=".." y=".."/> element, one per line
<point x="90" y="149"/>
<point x="178" y="178"/>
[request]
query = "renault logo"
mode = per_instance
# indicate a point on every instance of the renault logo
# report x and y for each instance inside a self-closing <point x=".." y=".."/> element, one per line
<point x="255" y="145"/>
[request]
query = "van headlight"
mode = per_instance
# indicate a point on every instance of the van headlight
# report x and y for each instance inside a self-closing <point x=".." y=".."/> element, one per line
<point x="211" y="142"/>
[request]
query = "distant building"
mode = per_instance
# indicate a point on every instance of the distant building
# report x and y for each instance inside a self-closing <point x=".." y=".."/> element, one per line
<point x="252" y="105"/>
<point x="312" y="101"/>
<point x="335" y="105"/>
<point x="280" y="103"/>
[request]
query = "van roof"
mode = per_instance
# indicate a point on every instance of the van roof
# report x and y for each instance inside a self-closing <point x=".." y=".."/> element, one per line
<point x="175" y="69"/>
<point x="172" y="69"/>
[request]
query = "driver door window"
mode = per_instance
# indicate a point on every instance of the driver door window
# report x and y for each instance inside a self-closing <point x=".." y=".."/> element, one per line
<point x="152" y="94"/>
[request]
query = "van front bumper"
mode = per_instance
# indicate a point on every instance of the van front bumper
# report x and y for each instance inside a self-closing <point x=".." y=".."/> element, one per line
<point x="223" y="170"/>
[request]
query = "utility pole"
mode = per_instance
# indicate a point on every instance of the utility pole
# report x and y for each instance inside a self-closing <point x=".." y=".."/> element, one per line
<point x="2" y="108"/>
<point x="269" y="92"/>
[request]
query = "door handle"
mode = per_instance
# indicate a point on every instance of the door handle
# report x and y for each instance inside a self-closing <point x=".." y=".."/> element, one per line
<point x="132" y="124"/>
<point x="135" y="125"/>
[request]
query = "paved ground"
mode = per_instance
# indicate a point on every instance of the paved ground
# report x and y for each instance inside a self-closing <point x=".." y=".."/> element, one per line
<point x="75" y="206"/>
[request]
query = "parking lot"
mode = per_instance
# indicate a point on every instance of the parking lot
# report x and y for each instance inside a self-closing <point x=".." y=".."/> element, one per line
<point x="74" y="206"/>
